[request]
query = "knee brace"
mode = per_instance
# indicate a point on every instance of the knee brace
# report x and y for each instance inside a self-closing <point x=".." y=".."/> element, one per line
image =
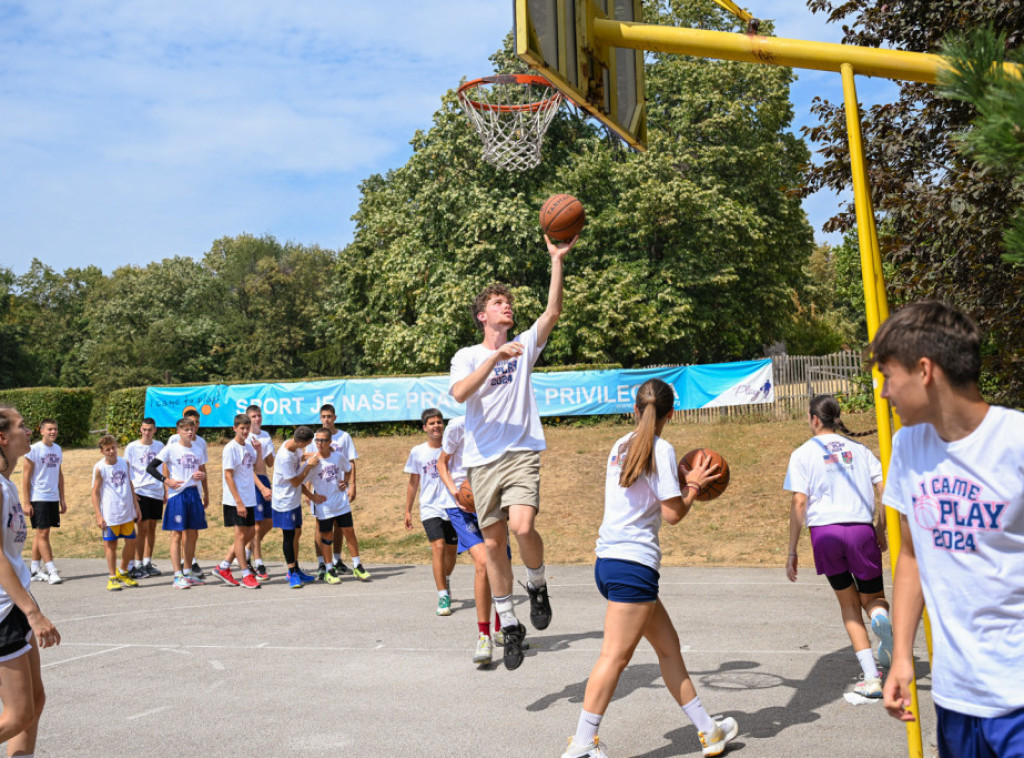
<point x="324" y="540"/>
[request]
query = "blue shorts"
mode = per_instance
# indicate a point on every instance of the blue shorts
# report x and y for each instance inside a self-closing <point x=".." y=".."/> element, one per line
<point x="119" y="531"/>
<point x="184" y="511"/>
<point x="962" y="736"/>
<point x="626" y="581"/>
<point x="263" y="508"/>
<point x="467" y="529"/>
<point x="288" y="519"/>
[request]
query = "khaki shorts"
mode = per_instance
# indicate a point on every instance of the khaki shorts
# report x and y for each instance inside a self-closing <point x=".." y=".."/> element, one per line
<point x="513" y="479"/>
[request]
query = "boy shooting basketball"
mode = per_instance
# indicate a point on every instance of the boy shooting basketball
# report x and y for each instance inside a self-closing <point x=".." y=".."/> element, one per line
<point x="503" y="443"/>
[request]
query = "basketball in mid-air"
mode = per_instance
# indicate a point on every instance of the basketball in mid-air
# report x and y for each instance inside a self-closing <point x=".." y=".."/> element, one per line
<point x="562" y="217"/>
<point x="464" y="497"/>
<point x="714" y="488"/>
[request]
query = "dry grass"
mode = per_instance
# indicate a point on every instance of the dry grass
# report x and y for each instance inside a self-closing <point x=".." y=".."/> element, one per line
<point x="746" y="526"/>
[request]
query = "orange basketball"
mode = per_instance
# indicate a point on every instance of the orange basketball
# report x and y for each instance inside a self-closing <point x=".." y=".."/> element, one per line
<point x="713" y="488"/>
<point x="464" y="497"/>
<point x="562" y="217"/>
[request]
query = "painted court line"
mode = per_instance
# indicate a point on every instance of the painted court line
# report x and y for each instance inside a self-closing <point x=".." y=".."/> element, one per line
<point x="87" y="655"/>
<point x="149" y="712"/>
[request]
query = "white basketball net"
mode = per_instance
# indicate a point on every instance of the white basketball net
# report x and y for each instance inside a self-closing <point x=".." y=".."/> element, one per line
<point x="511" y="113"/>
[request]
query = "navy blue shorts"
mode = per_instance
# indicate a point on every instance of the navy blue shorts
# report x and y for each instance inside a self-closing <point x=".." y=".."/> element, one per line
<point x="626" y="581"/>
<point x="263" y="509"/>
<point x="288" y="519"/>
<point x="184" y="511"/>
<point x="962" y="736"/>
<point x="467" y="528"/>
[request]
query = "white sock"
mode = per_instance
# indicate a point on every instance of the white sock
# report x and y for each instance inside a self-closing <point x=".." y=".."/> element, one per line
<point x="320" y="559"/>
<point x="535" y="577"/>
<point x="879" y="612"/>
<point x="50" y="567"/>
<point x="131" y="565"/>
<point x="356" y="561"/>
<point x="337" y="557"/>
<point x="700" y="718"/>
<point x="188" y="572"/>
<point x="246" y="573"/>
<point x="35" y="567"/>
<point x="225" y="565"/>
<point x="248" y="555"/>
<point x="147" y="561"/>
<point x="442" y="593"/>
<point x="506" y="611"/>
<point x="867" y="663"/>
<point x="586" y="728"/>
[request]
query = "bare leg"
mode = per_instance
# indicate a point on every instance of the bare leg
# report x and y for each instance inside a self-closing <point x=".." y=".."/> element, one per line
<point x="624" y="625"/>
<point x="262" y="527"/>
<point x="176" y="551"/>
<point x="661" y="633"/>
<point x="520" y="523"/>
<point x="437" y="563"/>
<point x="349" y="532"/>
<point x="127" y="553"/>
<point x="481" y="587"/>
<point x="110" y="553"/>
<point x="499" y="567"/>
<point x="853" y="617"/>
<point x="23" y="697"/>
<point x="191" y="535"/>
<point x="41" y="546"/>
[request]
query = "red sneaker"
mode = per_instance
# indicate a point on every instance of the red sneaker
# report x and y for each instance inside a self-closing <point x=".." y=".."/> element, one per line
<point x="226" y="575"/>
<point x="250" y="582"/>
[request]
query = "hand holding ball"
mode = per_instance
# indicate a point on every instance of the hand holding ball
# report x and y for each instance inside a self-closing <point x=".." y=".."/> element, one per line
<point x="562" y="217"/>
<point x="712" y="487"/>
<point x="464" y="497"/>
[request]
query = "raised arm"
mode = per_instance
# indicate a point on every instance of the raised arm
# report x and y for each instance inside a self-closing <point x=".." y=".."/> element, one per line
<point x="549" y="317"/>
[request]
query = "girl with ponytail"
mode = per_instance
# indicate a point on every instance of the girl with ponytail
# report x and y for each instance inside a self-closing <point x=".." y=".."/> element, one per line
<point x="23" y="627"/>
<point x="834" y="481"/>
<point x="642" y="489"/>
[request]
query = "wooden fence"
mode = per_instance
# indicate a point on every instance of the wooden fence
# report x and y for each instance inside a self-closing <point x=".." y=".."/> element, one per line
<point x="797" y="379"/>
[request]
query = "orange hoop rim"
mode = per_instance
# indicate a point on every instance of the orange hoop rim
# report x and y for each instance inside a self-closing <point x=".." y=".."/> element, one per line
<point x="525" y="79"/>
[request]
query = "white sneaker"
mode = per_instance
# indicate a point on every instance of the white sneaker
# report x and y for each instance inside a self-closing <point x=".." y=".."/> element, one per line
<point x="40" y="576"/>
<point x="54" y="577"/>
<point x="725" y="731"/>
<point x="869" y="687"/>
<point x="484" y="649"/>
<point x="584" y="751"/>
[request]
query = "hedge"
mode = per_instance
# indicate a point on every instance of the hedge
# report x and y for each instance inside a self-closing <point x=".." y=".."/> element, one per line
<point x="126" y="408"/>
<point x="71" y="407"/>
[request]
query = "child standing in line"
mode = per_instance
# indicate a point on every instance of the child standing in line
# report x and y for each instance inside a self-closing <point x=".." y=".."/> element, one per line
<point x="150" y="494"/>
<point x="42" y="479"/>
<point x="200" y="450"/>
<point x="642" y="489"/>
<point x="239" y="498"/>
<point x="263" y="444"/>
<point x="329" y="482"/>
<point x="117" y="510"/>
<point x="183" y="470"/>
<point x="434" y="501"/>
<point x="290" y="473"/>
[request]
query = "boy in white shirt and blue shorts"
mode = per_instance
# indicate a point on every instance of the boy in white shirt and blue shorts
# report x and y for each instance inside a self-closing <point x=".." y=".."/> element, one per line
<point x="239" y="499"/>
<point x="150" y="494"/>
<point x="957" y="479"/>
<point x="291" y="471"/>
<point x="117" y="510"/>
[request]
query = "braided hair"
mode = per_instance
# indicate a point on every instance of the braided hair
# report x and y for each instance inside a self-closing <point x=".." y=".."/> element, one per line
<point x="826" y="409"/>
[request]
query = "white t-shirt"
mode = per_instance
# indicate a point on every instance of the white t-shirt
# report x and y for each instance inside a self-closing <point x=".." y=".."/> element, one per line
<point x="182" y="462"/>
<point x="451" y="443"/>
<point x="838" y="476"/>
<point x="632" y="517"/>
<point x="239" y="459"/>
<point x="198" y="446"/>
<point x="266" y="441"/>
<point x="434" y="496"/>
<point x="138" y="456"/>
<point x="116" y="503"/>
<point x="15" y="526"/>
<point x="502" y="415"/>
<point x="287" y="466"/>
<point x="325" y="478"/>
<point x="964" y="503"/>
<point x="46" y="474"/>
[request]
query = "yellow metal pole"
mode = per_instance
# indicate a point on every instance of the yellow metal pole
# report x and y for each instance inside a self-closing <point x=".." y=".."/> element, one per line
<point x="877" y="309"/>
<point x="734" y="9"/>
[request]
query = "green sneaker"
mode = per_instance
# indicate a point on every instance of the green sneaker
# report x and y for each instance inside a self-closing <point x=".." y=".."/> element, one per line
<point x="444" y="605"/>
<point x="331" y="576"/>
<point x="360" y="573"/>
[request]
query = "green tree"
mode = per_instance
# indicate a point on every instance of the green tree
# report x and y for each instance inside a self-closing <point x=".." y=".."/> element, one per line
<point x="691" y="253"/>
<point x="15" y="369"/>
<point x="941" y="215"/>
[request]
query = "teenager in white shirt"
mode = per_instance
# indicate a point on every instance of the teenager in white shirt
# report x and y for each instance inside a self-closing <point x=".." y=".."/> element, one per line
<point x="503" y="442"/>
<point x="150" y="494"/>
<point x="200" y="450"/>
<point x="957" y="479"/>
<point x="328" y="484"/>
<point x="239" y="499"/>
<point x="263" y="444"/>
<point x="42" y="479"/>
<point x="641" y="490"/>
<point x="834" y="480"/>
<point x="291" y="470"/>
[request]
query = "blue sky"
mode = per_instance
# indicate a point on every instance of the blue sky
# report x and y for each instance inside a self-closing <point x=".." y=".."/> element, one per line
<point x="134" y="131"/>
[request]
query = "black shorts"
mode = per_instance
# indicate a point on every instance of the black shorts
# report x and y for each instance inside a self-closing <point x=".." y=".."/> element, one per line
<point x="15" y="634"/>
<point x="231" y="517"/>
<point x="45" y="514"/>
<point x="326" y="526"/>
<point x="439" y="529"/>
<point x="152" y="508"/>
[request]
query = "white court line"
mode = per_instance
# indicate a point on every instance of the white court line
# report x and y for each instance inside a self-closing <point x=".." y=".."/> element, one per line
<point x="149" y="712"/>
<point x="87" y="655"/>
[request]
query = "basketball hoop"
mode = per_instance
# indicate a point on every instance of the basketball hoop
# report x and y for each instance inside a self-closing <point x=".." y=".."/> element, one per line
<point x="511" y="113"/>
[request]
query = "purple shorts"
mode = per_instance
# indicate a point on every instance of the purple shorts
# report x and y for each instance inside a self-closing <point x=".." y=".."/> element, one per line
<point x="846" y="548"/>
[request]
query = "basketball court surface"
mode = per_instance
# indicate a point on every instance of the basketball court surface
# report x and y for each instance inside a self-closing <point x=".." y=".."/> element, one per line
<point x="367" y="669"/>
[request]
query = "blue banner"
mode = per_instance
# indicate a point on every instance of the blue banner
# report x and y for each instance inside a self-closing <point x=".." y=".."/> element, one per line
<point x="564" y="393"/>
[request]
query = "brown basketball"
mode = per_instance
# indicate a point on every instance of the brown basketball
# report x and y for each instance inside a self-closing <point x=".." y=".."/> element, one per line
<point x="464" y="497"/>
<point x="562" y="217"/>
<point x="717" y="486"/>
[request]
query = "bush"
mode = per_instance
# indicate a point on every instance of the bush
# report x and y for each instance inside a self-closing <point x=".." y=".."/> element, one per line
<point x="71" y="407"/>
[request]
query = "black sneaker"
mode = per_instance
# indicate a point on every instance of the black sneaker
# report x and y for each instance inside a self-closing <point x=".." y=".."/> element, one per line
<point x="540" y="608"/>
<point x="196" y="571"/>
<point x="514" y="636"/>
<point x="321" y="573"/>
<point x="340" y="568"/>
<point x="151" y="570"/>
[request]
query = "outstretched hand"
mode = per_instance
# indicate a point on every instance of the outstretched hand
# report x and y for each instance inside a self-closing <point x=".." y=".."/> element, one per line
<point x="559" y="249"/>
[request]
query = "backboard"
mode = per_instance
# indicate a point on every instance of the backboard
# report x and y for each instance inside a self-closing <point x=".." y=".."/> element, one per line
<point x="555" y="37"/>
